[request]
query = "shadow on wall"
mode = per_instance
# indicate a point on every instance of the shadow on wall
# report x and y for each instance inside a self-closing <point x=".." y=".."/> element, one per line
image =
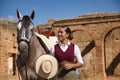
<point x="113" y="65"/>
<point x="88" y="48"/>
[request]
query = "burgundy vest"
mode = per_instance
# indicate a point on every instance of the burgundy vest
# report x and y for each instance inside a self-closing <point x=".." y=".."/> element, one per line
<point x="68" y="55"/>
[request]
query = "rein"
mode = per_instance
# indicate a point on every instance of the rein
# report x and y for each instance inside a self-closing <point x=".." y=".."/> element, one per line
<point x="18" y="73"/>
<point x="26" y="71"/>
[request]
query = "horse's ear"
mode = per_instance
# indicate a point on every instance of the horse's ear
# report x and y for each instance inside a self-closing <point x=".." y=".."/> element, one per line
<point x="19" y="15"/>
<point x="32" y="15"/>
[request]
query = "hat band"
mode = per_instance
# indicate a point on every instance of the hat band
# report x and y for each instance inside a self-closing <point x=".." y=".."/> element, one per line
<point x="46" y="66"/>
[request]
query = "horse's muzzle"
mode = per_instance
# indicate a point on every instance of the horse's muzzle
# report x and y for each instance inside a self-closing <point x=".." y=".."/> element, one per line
<point x="23" y="47"/>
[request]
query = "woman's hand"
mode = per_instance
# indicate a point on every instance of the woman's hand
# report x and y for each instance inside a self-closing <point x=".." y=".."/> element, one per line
<point x="67" y="66"/>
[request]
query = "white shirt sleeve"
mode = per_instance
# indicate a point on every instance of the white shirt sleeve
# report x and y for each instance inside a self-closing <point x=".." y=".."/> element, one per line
<point x="77" y="53"/>
<point x="52" y="51"/>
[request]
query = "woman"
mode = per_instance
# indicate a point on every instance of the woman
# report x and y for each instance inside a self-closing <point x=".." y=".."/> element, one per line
<point x="68" y="55"/>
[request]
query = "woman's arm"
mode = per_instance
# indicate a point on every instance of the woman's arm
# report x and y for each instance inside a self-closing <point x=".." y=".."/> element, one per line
<point x="77" y="54"/>
<point x="52" y="51"/>
<point x="68" y="66"/>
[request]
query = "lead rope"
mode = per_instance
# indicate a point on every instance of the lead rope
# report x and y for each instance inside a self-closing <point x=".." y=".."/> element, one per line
<point x="26" y="72"/>
<point x="18" y="71"/>
<point x="18" y="74"/>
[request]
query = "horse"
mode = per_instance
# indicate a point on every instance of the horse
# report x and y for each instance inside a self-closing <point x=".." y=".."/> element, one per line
<point x="30" y="47"/>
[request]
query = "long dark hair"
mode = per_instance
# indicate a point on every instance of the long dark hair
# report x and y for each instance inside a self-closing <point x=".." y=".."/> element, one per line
<point x="68" y="30"/>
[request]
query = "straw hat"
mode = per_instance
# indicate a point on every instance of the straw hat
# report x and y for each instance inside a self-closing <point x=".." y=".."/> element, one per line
<point x="46" y="66"/>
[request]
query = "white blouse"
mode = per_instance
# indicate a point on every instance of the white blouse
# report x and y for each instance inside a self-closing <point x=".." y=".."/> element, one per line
<point x="77" y="51"/>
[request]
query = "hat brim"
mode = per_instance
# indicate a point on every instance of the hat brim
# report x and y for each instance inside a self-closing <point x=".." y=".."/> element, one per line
<point x="54" y="66"/>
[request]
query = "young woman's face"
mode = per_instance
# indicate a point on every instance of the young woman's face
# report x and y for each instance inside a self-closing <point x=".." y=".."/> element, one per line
<point x="62" y="35"/>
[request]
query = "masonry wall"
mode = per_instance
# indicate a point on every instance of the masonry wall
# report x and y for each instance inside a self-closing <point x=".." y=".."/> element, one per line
<point x="8" y="52"/>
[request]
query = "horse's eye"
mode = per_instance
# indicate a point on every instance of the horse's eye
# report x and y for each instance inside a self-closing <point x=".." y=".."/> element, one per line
<point x="31" y="30"/>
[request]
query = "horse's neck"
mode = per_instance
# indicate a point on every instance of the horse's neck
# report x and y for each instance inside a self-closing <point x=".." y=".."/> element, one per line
<point x="35" y="49"/>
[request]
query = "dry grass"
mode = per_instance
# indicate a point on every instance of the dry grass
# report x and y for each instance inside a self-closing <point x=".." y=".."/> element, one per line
<point x="99" y="78"/>
<point x="113" y="78"/>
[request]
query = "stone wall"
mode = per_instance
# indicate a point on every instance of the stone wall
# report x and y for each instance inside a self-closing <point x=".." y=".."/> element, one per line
<point x="8" y="51"/>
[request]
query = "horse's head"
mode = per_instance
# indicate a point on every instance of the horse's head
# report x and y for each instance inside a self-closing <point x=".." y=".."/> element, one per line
<point x="24" y="32"/>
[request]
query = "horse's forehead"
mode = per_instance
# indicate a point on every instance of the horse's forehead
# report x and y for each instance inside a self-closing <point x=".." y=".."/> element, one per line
<point x="26" y="18"/>
<point x="25" y="22"/>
